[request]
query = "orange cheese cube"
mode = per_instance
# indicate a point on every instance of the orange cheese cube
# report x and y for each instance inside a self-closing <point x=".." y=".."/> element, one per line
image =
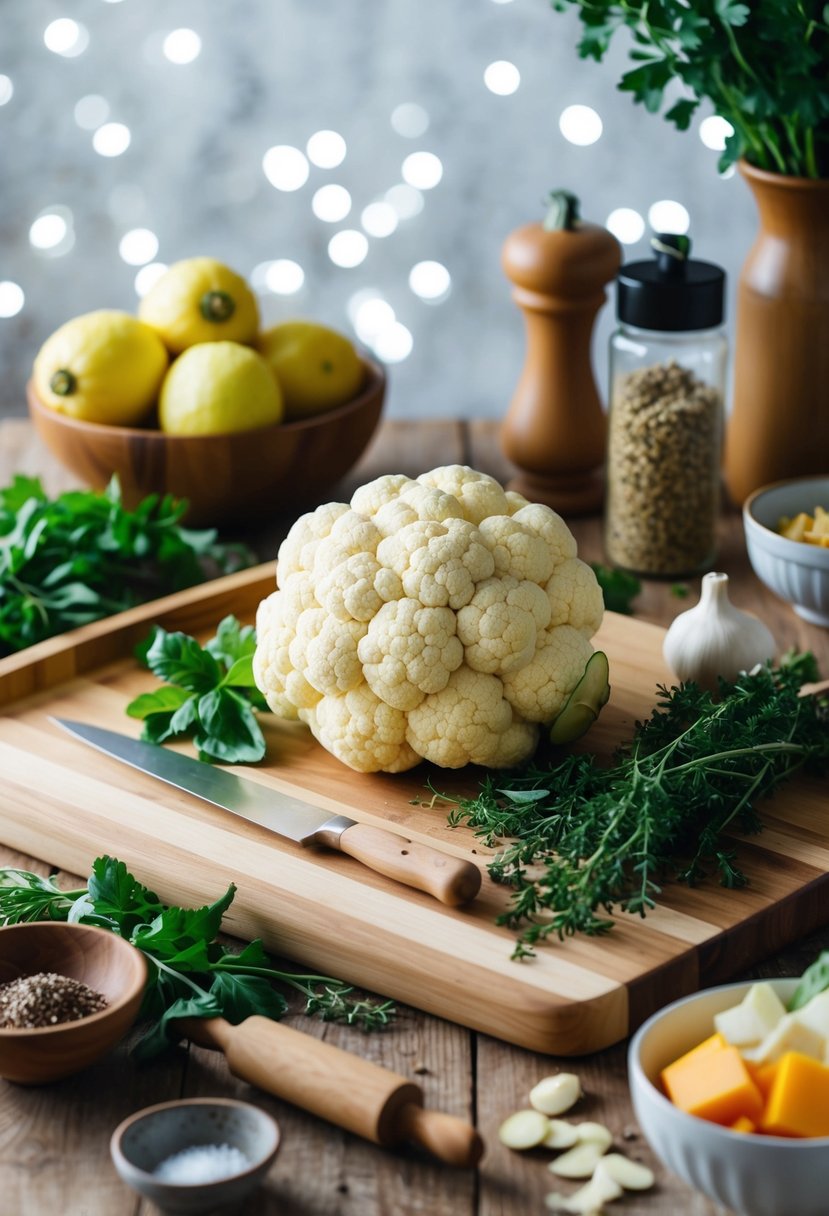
<point x="743" y="1124"/>
<point x="798" y="1104"/>
<point x="763" y="1076"/>
<point x="713" y="1083"/>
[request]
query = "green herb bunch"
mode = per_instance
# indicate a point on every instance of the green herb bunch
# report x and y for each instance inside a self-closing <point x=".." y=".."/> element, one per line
<point x="82" y="556"/>
<point x="191" y="974"/>
<point x="210" y="695"/>
<point x="764" y="66"/>
<point x="578" y="839"/>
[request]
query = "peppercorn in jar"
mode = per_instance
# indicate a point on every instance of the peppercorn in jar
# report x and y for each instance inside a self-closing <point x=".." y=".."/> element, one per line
<point x="667" y="370"/>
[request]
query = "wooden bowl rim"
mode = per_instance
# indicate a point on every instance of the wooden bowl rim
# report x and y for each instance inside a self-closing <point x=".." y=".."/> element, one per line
<point x="149" y="1112"/>
<point x="375" y="382"/>
<point x="44" y="927"/>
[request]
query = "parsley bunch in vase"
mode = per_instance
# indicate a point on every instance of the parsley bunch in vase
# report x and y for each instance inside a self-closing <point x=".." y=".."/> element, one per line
<point x="764" y="68"/>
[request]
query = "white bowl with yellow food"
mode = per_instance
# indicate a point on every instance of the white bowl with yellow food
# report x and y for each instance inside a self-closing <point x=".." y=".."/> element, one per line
<point x="753" y="1174"/>
<point x="794" y="566"/>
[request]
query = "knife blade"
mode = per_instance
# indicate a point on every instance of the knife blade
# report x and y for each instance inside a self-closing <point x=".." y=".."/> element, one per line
<point x="452" y="880"/>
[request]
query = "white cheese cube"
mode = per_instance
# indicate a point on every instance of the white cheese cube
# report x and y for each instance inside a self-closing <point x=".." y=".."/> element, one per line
<point x="788" y="1035"/>
<point x="815" y="1014"/>
<point x="747" y="1024"/>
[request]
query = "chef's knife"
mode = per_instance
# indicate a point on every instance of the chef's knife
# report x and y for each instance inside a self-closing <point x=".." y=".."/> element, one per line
<point x="452" y="880"/>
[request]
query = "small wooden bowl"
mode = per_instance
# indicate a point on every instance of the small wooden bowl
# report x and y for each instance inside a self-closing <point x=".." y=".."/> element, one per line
<point x="96" y="957"/>
<point x="234" y="477"/>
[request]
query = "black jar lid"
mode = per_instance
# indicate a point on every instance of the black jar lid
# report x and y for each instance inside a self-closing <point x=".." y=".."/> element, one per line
<point x="671" y="292"/>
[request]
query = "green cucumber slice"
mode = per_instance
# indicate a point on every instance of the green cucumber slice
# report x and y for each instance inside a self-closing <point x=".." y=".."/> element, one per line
<point x="585" y="703"/>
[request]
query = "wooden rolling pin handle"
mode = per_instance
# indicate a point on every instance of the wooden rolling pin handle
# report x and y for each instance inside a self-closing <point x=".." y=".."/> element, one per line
<point x="340" y="1087"/>
<point x="452" y="880"/>
<point x="445" y="1137"/>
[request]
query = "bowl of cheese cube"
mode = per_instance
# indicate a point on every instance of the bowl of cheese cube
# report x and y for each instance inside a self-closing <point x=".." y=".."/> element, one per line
<point x="731" y="1090"/>
<point x="787" y="537"/>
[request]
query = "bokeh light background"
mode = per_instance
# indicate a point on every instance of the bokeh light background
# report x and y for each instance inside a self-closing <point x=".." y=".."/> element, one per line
<point x="360" y="163"/>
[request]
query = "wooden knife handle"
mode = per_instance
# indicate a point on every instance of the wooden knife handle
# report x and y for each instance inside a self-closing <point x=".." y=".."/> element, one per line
<point x="452" y="880"/>
<point x="353" y="1093"/>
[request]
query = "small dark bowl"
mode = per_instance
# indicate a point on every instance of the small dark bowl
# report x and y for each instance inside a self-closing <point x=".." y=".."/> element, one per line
<point x="143" y="1141"/>
<point x="240" y="476"/>
<point x="96" y="957"/>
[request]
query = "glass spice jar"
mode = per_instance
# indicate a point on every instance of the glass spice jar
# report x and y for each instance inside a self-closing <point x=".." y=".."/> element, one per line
<point x="665" y="417"/>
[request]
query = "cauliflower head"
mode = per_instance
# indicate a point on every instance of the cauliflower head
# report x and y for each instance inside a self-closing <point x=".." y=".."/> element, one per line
<point x="436" y="618"/>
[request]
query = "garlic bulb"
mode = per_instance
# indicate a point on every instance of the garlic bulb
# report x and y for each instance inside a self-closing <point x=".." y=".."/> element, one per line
<point x="715" y="638"/>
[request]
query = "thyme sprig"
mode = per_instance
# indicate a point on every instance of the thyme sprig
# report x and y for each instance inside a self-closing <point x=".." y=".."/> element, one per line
<point x="579" y="840"/>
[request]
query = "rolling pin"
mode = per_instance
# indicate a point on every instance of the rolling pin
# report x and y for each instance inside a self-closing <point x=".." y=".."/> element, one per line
<point x="342" y="1088"/>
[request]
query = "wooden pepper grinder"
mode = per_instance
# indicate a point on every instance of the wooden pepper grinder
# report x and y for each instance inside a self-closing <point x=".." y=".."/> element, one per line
<point x="555" y="430"/>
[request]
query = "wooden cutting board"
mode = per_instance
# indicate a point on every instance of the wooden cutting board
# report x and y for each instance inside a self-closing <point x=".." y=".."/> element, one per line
<point x="63" y="800"/>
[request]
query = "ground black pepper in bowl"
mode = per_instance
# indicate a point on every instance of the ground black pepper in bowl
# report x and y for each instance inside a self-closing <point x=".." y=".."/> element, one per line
<point x="46" y="999"/>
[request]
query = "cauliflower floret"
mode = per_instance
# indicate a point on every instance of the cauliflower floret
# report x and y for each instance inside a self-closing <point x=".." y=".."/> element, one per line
<point x="431" y="503"/>
<point x="439" y="563"/>
<point x="478" y="494"/>
<point x="298" y="593"/>
<point x="357" y="588"/>
<point x="516" y="501"/>
<point x="464" y="723"/>
<point x="439" y="618"/>
<point x="362" y="731"/>
<point x="500" y="626"/>
<point x="325" y="649"/>
<point x="375" y="494"/>
<point x="544" y="522"/>
<point x="285" y="689"/>
<point x="350" y="533"/>
<point x="410" y="651"/>
<point x="538" y="691"/>
<point x="575" y="597"/>
<point x="517" y="551"/>
<point x="298" y="548"/>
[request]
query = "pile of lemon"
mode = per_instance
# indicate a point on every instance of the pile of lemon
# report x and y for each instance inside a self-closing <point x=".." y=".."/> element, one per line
<point x="196" y="353"/>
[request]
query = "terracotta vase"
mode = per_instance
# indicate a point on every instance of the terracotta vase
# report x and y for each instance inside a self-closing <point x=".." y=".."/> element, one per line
<point x="779" y="424"/>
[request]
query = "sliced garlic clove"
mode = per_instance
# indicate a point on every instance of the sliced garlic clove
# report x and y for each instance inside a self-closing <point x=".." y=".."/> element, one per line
<point x="594" y="1133"/>
<point x="561" y="1134"/>
<point x="631" y="1175"/>
<point x="578" y="1162"/>
<point x="525" y="1129"/>
<point x="588" y="1199"/>
<point x="556" y="1094"/>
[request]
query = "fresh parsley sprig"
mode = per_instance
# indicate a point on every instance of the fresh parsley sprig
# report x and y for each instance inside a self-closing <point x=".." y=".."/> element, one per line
<point x="771" y="88"/>
<point x="191" y="973"/>
<point x="210" y="693"/>
<point x="579" y="839"/>
<point x="81" y="556"/>
<point x="619" y="588"/>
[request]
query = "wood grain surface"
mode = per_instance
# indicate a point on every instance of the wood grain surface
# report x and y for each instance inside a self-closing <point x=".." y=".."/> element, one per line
<point x="54" y="1141"/>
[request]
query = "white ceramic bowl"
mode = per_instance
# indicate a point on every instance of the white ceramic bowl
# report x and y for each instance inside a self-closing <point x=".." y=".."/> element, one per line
<point x="751" y="1174"/>
<point x="147" y="1138"/>
<point x="796" y="571"/>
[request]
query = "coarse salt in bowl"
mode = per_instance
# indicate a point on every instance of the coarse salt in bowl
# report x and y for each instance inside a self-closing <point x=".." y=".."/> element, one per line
<point x="196" y="1154"/>
<point x="754" y="1175"/>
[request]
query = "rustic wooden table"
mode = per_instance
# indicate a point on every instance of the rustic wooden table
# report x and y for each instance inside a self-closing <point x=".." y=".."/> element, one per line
<point x="54" y="1141"/>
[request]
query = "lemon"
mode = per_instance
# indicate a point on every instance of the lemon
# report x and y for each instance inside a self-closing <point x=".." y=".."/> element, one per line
<point x="218" y="387"/>
<point x="104" y="367"/>
<point x="200" y="300"/>
<point x="317" y="367"/>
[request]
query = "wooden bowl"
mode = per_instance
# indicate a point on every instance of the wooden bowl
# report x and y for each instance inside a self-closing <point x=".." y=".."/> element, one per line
<point x="102" y="960"/>
<point x="234" y="477"/>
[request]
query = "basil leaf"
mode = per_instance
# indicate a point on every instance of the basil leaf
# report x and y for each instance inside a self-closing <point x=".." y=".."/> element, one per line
<point x="242" y="996"/>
